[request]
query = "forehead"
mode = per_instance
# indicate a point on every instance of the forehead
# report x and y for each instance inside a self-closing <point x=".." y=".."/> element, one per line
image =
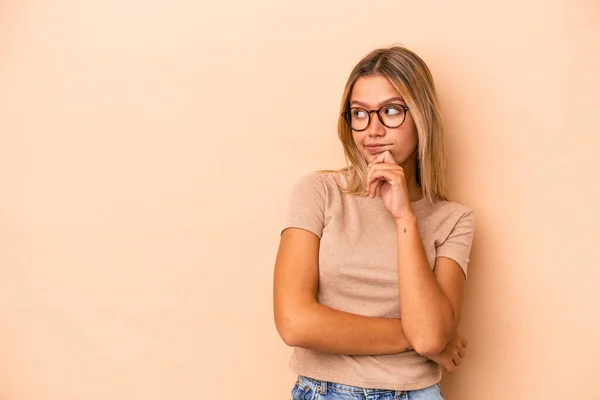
<point x="373" y="90"/>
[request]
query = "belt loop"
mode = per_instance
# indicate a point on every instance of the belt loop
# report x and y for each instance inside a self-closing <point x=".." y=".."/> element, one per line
<point x="323" y="387"/>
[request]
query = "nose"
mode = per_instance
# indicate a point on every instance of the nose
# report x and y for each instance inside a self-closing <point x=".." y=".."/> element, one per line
<point x="375" y="127"/>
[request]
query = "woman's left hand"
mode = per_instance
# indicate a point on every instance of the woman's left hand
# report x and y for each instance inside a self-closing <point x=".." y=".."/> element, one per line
<point x="451" y="357"/>
<point x="385" y="175"/>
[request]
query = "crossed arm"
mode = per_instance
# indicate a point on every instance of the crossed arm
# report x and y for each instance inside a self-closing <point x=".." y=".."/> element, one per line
<point x="302" y="322"/>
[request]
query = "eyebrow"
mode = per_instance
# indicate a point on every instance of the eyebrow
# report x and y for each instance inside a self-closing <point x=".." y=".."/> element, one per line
<point x="393" y="99"/>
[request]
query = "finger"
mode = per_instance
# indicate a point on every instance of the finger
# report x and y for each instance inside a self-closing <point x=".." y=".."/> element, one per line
<point x="464" y="342"/>
<point x="399" y="171"/>
<point x="376" y="187"/>
<point x="456" y="361"/>
<point x="370" y="185"/>
<point x="390" y="176"/>
<point x="379" y="162"/>
<point x="450" y="367"/>
<point x="378" y="158"/>
<point x="462" y="352"/>
<point x="378" y="167"/>
<point x="370" y="179"/>
<point x="375" y="166"/>
<point x="375" y="181"/>
<point x="388" y="158"/>
<point x="387" y="175"/>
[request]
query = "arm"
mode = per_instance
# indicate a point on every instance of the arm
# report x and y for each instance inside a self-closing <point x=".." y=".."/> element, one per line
<point x="302" y="322"/>
<point x="430" y="300"/>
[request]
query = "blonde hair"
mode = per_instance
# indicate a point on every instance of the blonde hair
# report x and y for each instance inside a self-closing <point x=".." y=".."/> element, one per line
<point x="411" y="77"/>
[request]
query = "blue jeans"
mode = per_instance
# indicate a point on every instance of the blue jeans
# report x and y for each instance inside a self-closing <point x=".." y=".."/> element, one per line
<point x="311" y="389"/>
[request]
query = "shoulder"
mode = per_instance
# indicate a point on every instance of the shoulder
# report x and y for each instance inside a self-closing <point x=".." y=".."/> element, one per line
<point x="451" y="213"/>
<point x="321" y="181"/>
<point x="452" y="207"/>
<point x="311" y="197"/>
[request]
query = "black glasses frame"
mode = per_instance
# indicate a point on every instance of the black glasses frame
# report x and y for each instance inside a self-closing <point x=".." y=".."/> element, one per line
<point x="347" y="116"/>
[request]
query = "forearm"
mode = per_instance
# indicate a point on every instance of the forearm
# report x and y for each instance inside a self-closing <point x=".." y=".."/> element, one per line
<point x="327" y="330"/>
<point x="428" y="319"/>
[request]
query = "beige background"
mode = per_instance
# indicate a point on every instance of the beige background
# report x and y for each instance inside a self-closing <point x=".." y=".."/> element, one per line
<point x="147" y="149"/>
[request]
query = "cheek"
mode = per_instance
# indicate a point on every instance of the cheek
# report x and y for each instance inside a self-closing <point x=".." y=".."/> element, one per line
<point x="412" y="133"/>
<point x="358" y="138"/>
<point x="405" y="144"/>
<point x="408" y="137"/>
<point x="413" y="139"/>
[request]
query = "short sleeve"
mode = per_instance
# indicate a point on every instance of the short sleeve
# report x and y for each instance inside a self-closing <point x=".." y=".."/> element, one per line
<point x="457" y="245"/>
<point x="306" y="205"/>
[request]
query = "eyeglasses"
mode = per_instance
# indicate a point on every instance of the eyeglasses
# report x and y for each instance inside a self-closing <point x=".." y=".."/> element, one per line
<point x="390" y="115"/>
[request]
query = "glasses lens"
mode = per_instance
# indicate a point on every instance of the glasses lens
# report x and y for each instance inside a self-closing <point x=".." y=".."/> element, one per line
<point x="359" y="118"/>
<point x="392" y="115"/>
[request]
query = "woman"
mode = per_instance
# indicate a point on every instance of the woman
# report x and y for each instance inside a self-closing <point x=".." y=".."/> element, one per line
<point x="369" y="275"/>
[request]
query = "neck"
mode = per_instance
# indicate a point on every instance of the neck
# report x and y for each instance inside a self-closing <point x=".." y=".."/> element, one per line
<point x="414" y="191"/>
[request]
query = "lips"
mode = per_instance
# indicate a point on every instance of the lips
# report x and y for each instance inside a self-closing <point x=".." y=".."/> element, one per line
<point x="374" y="148"/>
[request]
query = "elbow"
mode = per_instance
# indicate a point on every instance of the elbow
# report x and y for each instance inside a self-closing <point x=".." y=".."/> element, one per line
<point x="290" y="329"/>
<point x="430" y="345"/>
<point x="288" y="333"/>
<point x="431" y="342"/>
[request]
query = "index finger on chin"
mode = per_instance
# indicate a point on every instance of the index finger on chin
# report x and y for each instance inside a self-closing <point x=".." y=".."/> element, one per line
<point x="388" y="158"/>
<point x="378" y="159"/>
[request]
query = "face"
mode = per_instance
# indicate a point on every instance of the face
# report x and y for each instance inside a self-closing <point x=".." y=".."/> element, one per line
<point x="371" y="93"/>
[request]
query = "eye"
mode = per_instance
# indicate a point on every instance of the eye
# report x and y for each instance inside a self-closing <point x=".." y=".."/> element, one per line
<point x="359" y="113"/>
<point x="393" y="109"/>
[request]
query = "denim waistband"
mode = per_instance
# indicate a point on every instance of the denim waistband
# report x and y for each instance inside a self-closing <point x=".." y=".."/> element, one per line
<point x="323" y="386"/>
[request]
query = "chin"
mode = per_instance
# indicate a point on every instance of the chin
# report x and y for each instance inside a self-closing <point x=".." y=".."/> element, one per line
<point x="370" y="157"/>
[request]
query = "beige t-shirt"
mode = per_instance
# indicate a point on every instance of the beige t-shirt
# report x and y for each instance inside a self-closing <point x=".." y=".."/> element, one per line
<point x="358" y="273"/>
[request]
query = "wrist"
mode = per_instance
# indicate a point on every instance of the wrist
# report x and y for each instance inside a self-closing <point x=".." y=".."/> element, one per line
<point x="401" y="344"/>
<point x="407" y="218"/>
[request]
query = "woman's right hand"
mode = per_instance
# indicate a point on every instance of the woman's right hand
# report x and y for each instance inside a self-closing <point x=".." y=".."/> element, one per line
<point x="450" y="357"/>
